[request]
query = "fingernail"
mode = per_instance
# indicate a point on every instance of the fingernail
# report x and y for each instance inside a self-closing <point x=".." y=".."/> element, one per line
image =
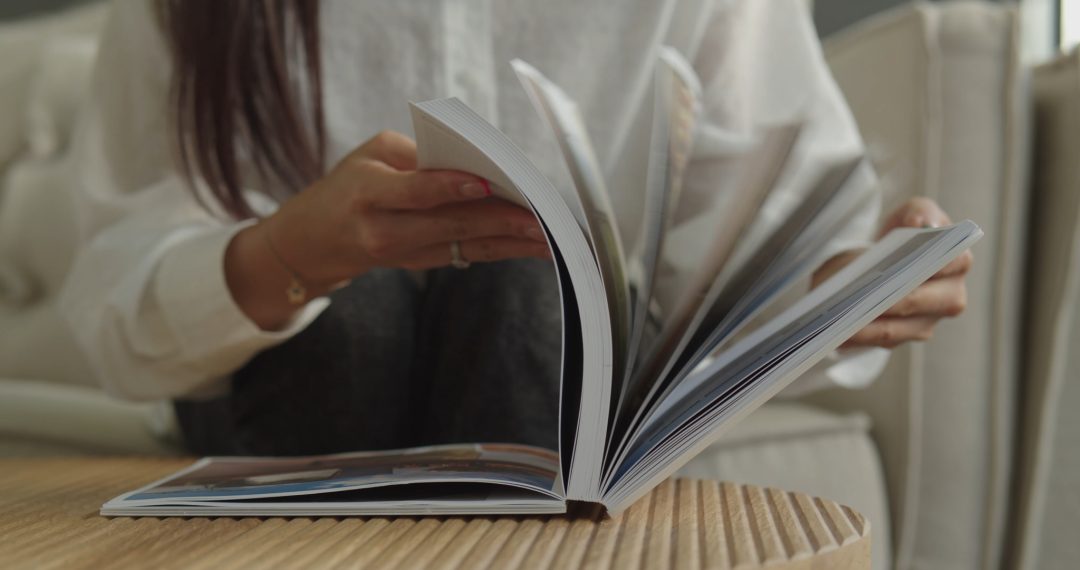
<point x="535" y="233"/>
<point x="916" y="221"/>
<point x="475" y="190"/>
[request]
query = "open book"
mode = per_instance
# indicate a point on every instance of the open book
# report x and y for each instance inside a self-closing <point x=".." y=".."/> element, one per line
<point x="645" y="384"/>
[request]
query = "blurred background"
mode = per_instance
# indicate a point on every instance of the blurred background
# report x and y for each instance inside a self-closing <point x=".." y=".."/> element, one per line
<point x="829" y="15"/>
<point x="12" y="9"/>
<point x="965" y="455"/>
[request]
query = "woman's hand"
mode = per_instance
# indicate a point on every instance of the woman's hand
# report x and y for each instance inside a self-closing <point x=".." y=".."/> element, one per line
<point x="915" y="316"/>
<point x="374" y="209"/>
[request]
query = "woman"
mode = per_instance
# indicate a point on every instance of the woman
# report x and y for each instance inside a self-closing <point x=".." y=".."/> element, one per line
<point x="259" y="275"/>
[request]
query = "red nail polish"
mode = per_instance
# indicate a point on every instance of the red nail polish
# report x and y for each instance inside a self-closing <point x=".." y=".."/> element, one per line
<point x="487" y="186"/>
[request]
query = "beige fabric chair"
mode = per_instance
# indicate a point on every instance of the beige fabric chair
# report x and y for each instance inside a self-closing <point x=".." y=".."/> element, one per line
<point x="22" y="45"/>
<point x="792" y="446"/>
<point x="44" y="75"/>
<point x="938" y="94"/>
<point x="935" y="90"/>
<point x="1048" y="513"/>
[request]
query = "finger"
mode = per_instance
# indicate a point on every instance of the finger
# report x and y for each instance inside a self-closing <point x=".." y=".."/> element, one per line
<point x="395" y="233"/>
<point x="890" y="333"/>
<point x="497" y="249"/>
<point x="918" y="212"/>
<point x="959" y="266"/>
<point x="476" y="251"/>
<point x="468" y="221"/>
<point x="392" y="148"/>
<point x="423" y="189"/>
<point x="936" y="298"/>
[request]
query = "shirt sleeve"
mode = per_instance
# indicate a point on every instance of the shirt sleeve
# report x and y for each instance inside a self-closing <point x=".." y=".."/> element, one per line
<point x="146" y="296"/>
<point x="761" y="64"/>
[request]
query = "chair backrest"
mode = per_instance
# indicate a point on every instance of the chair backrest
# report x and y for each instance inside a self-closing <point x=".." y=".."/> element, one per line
<point x="44" y="78"/>
<point x="1049" y="455"/>
<point x="23" y="42"/>
<point x="939" y="96"/>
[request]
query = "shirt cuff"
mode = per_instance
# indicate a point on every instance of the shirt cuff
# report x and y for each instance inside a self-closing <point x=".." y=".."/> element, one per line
<point x="194" y="297"/>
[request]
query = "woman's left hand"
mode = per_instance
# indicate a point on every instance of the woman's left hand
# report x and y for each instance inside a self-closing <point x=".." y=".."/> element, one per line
<point x="916" y="315"/>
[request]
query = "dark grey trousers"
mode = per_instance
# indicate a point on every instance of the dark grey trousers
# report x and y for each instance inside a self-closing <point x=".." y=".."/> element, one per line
<point x="472" y="357"/>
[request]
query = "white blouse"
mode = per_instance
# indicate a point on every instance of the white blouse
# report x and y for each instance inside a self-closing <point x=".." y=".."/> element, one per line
<point x="147" y="298"/>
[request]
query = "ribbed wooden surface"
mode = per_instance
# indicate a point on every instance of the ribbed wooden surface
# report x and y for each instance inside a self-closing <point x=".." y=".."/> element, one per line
<point x="48" y="519"/>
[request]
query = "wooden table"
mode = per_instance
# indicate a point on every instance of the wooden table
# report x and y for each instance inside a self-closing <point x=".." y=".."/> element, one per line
<point x="49" y="519"/>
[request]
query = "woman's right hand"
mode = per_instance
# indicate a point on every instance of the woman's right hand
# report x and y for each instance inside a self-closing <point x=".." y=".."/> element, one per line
<point x="374" y="209"/>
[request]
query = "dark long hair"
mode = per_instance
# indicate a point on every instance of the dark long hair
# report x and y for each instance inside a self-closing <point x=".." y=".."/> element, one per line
<point x="243" y="73"/>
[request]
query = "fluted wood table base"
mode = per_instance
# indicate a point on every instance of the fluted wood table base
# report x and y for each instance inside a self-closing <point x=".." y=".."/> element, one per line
<point x="49" y="518"/>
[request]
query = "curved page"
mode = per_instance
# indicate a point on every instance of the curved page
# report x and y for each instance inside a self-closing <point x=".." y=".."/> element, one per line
<point x="302" y="479"/>
<point x="563" y="118"/>
<point x="450" y="135"/>
<point x="760" y="365"/>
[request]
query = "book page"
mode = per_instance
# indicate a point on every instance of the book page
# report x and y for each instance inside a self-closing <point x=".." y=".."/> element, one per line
<point x="450" y="135"/>
<point x="232" y="478"/>
<point x="429" y="499"/>
<point x="563" y="118"/>
<point x="759" y="172"/>
<point x="762" y="364"/>
<point x="677" y="105"/>
<point x="765" y="271"/>
<point x="776" y="262"/>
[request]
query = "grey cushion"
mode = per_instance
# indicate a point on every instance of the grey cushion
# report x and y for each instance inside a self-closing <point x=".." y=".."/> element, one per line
<point x="1049" y="459"/>
<point x="937" y="92"/>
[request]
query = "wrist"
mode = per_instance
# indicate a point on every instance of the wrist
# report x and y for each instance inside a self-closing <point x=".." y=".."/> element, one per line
<point x="300" y="250"/>
<point x="258" y="282"/>
<point x="297" y="291"/>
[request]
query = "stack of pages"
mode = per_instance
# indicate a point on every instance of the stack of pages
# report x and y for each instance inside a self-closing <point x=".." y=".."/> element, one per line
<point x="646" y="384"/>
